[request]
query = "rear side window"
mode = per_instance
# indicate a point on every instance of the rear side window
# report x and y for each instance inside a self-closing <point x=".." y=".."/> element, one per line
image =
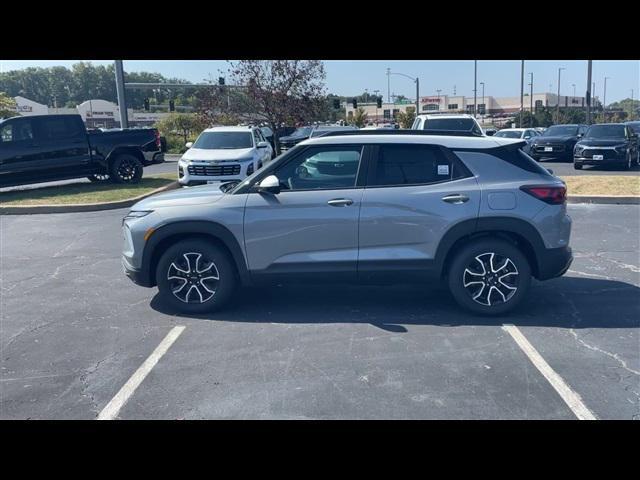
<point x="516" y="157"/>
<point x="58" y="127"/>
<point x="412" y="165"/>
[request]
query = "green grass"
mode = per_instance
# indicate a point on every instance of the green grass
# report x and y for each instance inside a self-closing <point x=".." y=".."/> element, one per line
<point x="625" y="185"/>
<point x="84" y="193"/>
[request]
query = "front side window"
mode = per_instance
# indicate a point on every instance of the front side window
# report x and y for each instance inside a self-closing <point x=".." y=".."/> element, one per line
<point x="411" y="165"/>
<point x="223" y="140"/>
<point x="321" y="168"/>
<point x="6" y="133"/>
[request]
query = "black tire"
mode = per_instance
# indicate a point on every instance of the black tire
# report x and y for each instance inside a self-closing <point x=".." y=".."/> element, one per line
<point x="465" y="267"/>
<point x="98" y="178"/>
<point x="577" y="166"/>
<point x="205" y="293"/>
<point x="125" y="169"/>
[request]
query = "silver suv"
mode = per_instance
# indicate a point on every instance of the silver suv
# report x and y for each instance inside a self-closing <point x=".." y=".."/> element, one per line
<point x="398" y="206"/>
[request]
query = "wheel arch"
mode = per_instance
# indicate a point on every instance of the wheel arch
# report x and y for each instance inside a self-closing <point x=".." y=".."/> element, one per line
<point x="518" y="232"/>
<point x="124" y="150"/>
<point x="169" y="234"/>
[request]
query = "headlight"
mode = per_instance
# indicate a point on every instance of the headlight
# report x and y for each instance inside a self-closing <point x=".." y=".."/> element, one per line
<point x="621" y="148"/>
<point x="137" y="214"/>
<point x="578" y="150"/>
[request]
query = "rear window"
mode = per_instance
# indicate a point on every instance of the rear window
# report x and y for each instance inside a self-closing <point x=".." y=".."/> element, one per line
<point x="463" y="124"/>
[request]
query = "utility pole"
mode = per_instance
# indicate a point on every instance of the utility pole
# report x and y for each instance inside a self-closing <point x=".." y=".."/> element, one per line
<point x="484" y="106"/>
<point x="589" y="92"/>
<point x="558" y="102"/>
<point x="439" y="90"/>
<point x="388" y="85"/>
<point x="122" y="100"/>
<point x="521" y="91"/>
<point x="574" y="90"/>
<point x="417" y="96"/>
<point x="475" y="86"/>
<point x="632" y="105"/>
<point x="531" y="95"/>
<point x="376" y="92"/>
<point x="604" y="100"/>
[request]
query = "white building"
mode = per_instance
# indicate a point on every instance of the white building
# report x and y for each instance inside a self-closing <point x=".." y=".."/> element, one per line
<point x="95" y="113"/>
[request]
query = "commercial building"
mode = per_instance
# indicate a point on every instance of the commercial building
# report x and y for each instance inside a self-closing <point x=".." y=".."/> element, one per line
<point x="95" y="113"/>
<point x="487" y="105"/>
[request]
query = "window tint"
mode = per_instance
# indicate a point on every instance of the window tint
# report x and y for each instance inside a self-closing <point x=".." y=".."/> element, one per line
<point x="256" y="137"/>
<point x="223" y="140"/>
<point x="464" y="124"/>
<point x="16" y="131"/>
<point x="56" y="128"/>
<point x="321" y="168"/>
<point x="411" y="165"/>
<point x="516" y="157"/>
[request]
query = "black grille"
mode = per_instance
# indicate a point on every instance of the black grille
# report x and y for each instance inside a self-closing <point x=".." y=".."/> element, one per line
<point x="606" y="154"/>
<point x="214" y="170"/>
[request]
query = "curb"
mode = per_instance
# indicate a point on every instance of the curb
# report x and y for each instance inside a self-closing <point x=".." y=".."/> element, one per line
<point x="603" y="199"/>
<point x="86" y="207"/>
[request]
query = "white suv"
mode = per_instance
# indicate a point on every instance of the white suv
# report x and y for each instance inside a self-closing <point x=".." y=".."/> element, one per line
<point x="223" y="154"/>
<point x="448" y="123"/>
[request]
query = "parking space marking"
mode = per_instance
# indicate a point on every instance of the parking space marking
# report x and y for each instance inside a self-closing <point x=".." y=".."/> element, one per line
<point x="113" y="407"/>
<point x="571" y="398"/>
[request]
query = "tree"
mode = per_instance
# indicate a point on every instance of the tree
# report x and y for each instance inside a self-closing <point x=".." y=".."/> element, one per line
<point x="183" y="124"/>
<point x="7" y="106"/>
<point x="405" y="119"/>
<point x="278" y="92"/>
<point x="359" y="118"/>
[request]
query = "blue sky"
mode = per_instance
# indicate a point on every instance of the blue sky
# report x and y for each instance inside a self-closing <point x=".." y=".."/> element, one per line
<point x="502" y="77"/>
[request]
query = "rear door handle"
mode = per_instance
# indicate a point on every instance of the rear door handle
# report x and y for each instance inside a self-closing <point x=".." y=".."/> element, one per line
<point x="340" y="202"/>
<point x="455" y="199"/>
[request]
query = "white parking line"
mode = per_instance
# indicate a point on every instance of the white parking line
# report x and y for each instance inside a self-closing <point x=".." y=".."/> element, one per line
<point x="571" y="398"/>
<point x="113" y="407"/>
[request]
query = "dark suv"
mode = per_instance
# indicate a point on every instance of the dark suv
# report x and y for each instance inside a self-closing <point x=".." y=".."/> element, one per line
<point x="557" y="142"/>
<point x="607" y="144"/>
<point x="476" y="213"/>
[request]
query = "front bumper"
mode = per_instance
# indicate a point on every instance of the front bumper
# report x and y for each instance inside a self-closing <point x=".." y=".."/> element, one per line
<point x="134" y="274"/>
<point x="607" y="160"/>
<point x="554" y="262"/>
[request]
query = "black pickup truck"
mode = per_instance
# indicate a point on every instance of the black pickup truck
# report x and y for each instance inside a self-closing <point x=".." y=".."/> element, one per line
<point x="43" y="148"/>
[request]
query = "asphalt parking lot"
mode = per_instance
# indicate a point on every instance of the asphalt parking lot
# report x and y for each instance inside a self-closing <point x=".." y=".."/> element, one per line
<point x="74" y="330"/>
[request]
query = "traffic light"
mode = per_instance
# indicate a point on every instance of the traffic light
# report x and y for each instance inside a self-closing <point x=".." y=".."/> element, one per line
<point x="379" y="102"/>
<point x="146" y="104"/>
<point x="354" y="103"/>
<point x="220" y="80"/>
<point x="172" y="106"/>
<point x="336" y="103"/>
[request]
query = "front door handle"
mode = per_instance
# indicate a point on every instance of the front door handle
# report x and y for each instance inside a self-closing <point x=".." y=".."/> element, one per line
<point x="455" y="199"/>
<point x="340" y="202"/>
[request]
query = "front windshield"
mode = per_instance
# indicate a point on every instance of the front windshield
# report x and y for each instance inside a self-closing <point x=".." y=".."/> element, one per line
<point x="605" y="131"/>
<point x="223" y="140"/>
<point x="302" y="132"/>
<point x="508" y="134"/>
<point x="561" y="131"/>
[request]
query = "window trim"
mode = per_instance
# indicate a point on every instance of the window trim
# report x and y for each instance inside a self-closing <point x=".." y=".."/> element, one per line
<point x="363" y="166"/>
<point x="454" y="161"/>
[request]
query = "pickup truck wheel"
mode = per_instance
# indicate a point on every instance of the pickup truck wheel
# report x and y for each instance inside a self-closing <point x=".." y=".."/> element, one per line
<point x="196" y="276"/>
<point x="489" y="277"/>
<point x="126" y="169"/>
<point x="98" y="178"/>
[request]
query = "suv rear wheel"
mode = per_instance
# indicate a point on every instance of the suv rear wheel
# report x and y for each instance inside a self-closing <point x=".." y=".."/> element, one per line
<point x="489" y="277"/>
<point x="195" y="276"/>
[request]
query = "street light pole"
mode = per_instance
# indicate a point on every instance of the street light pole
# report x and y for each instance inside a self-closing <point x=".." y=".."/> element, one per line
<point x="589" y="93"/>
<point x="484" y="107"/>
<point x="122" y="100"/>
<point x="475" y="86"/>
<point x="521" y="91"/>
<point x="558" y="100"/>
<point x="388" y="85"/>
<point x="604" y="100"/>
<point x="531" y="95"/>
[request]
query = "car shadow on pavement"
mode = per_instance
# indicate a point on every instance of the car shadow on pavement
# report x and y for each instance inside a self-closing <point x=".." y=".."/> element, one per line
<point x="566" y="302"/>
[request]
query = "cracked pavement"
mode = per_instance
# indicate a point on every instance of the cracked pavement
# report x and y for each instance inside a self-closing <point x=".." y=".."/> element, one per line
<point x="73" y="329"/>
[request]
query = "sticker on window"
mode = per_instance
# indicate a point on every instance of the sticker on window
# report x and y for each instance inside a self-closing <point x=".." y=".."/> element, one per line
<point x="443" y="169"/>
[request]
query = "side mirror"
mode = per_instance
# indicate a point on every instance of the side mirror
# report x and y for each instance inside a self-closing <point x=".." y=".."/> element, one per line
<point x="188" y="144"/>
<point x="580" y="135"/>
<point x="550" y="171"/>
<point x="527" y="137"/>
<point x="269" y="184"/>
<point x="262" y="144"/>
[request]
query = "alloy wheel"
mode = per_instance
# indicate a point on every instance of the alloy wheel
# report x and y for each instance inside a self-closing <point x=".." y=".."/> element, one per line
<point x="491" y="279"/>
<point x="193" y="278"/>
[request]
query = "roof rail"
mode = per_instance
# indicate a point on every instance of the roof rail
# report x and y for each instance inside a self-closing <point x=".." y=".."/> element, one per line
<point x="454" y="133"/>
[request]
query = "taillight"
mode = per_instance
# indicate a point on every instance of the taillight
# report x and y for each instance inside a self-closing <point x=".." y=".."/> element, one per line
<point x="556" y="195"/>
<point x="158" y="144"/>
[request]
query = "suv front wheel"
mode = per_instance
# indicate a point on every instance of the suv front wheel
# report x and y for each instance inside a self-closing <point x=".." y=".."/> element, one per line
<point x="489" y="277"/>
<point x="195" y="276"/>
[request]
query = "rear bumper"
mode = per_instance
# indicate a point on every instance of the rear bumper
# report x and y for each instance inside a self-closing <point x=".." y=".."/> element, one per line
<point x="554" y="262"/>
